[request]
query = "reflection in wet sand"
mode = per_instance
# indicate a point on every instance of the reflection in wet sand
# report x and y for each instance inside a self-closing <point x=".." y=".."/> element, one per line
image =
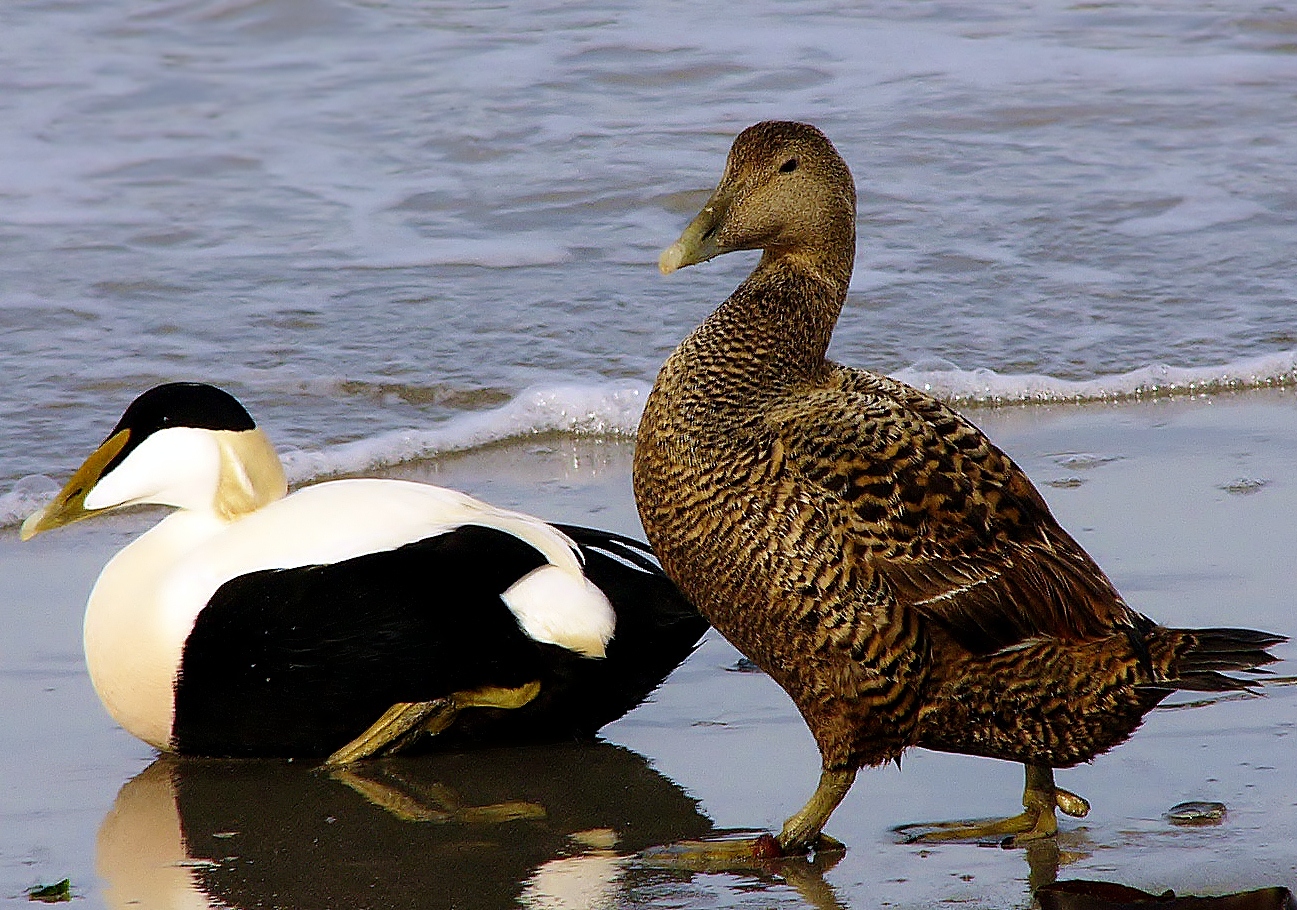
<point x="542" y="826"/>
<point x="550" y="827"/>
<point x="140" y="854"/>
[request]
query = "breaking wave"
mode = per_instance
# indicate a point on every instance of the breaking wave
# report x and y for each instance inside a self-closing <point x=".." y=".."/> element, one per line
<point x="614" y="410"/>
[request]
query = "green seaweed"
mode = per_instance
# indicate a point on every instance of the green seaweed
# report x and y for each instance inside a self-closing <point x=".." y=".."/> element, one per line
<point x="56" y="893"/>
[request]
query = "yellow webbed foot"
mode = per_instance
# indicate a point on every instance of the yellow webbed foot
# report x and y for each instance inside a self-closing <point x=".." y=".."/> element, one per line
<point x="802" y="833"/>
<point x="1036" y="822"/>
<point x="403" y="723"/>
<point x="1016" y="830"/>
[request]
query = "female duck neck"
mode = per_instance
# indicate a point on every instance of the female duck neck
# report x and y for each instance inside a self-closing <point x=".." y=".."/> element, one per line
<point x="784" y="312"/>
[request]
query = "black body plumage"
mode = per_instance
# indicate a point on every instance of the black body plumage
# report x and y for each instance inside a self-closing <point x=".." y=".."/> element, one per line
<point x="297" y="662"/>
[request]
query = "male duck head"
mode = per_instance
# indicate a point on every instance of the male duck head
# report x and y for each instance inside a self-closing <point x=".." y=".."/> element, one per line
<point x="183" y="444"/>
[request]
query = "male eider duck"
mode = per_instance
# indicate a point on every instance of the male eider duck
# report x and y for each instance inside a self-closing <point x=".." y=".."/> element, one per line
<point x="350" y="617"/>
<point x="866" y="545"/>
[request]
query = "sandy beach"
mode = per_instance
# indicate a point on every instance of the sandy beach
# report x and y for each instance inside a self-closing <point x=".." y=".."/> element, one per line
<point x="1188" y="504"/>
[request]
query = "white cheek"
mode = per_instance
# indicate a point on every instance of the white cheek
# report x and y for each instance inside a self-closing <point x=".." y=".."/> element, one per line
<point x="179" y="466"/>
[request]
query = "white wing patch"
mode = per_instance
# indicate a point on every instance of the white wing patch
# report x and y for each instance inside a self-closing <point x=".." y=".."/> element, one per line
<point x="341" y="519"/>
<point x="558" y="608"/>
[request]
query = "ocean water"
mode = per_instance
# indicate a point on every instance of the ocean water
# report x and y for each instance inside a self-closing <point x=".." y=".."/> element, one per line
<point x="395" y="229"/>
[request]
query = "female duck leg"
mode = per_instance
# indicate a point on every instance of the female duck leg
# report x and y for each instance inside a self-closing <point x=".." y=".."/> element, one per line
<point x="802" y="832"/>
<point x="1039" y="800"/>
<point x="404" y="722"/>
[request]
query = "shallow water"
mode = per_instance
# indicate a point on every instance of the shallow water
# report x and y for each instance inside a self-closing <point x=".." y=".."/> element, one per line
<point x="368" y="217"/>
<point x="401" y="229"/>
<point x="1187" y="505"/>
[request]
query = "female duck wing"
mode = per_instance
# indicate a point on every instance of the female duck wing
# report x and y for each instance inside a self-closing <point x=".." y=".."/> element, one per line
<point x="940" y="517"/>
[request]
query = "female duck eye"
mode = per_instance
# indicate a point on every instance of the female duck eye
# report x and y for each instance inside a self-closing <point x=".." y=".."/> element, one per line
<point x="788" y="166"/>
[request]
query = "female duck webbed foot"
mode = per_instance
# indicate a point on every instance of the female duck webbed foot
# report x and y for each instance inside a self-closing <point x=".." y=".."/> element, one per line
<point x="1037" y="820"/>
<point x="801" y="834"/>
<point x="405" y="722"/>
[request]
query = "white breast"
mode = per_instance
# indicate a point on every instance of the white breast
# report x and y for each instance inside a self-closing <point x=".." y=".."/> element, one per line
<point x="130" y="649"/>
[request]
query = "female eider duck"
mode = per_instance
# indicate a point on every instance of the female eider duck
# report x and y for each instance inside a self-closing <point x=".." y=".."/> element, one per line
<point x="350" y="617"/>
<point x="867" y="546"/>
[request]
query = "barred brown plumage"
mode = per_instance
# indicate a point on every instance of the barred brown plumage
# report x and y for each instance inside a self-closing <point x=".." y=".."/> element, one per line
<point x="865" y="544"/>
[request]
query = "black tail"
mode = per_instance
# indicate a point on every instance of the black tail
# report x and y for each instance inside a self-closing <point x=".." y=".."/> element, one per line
<point x="1199" y="659"/>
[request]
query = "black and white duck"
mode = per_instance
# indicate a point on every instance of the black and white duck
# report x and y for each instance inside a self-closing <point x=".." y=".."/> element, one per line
<point x="351" y="617"/>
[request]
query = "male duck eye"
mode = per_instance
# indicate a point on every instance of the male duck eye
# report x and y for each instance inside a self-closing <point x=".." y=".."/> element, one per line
<point x="788" y="166"/>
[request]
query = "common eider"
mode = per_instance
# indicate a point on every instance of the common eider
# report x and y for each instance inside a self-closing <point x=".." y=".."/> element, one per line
<point x="866" y="545"/>
<point x="350" y="617"/>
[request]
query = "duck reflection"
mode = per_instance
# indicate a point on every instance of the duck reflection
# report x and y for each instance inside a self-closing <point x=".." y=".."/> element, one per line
<point x="532" y="826"/>
<point x="548" y="827"/>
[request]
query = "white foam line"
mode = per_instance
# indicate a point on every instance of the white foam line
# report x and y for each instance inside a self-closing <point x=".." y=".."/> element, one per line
<point x="579" y="410"/>
<point x="615" y="410"/>
<point x="987" y="387"/>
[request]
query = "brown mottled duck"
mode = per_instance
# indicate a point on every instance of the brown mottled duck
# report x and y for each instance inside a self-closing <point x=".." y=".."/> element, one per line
<point x="865" y="544"/>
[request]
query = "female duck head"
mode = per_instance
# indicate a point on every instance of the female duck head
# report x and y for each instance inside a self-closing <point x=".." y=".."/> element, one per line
<point x="183" y="444"/>
<point x="785" y="190"/>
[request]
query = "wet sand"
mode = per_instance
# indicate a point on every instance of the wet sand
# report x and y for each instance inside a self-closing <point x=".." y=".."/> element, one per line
<point x="1187" y="504"/>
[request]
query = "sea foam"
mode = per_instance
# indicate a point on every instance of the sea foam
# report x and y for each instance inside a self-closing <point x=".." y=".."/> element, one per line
<point x="989" y="388"/>
<point x="611" y="410"/>
<point x="614" y="410"/>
